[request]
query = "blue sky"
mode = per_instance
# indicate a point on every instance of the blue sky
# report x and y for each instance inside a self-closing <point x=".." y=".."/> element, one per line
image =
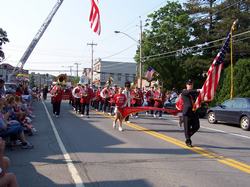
<point x="64" y="43"/>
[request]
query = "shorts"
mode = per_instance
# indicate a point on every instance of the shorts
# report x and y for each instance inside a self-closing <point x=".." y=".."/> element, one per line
<point x="116" y="110"/>
<point x="180" y="114"/>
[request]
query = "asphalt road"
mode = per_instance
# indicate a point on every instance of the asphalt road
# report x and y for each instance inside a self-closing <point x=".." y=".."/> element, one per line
<point x="78" y="151"/>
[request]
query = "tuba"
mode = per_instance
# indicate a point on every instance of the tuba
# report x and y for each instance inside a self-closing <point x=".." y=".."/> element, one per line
<point x="62" y="79"/>
<point x="110" y="81"/>
<point x="133" y="84"/>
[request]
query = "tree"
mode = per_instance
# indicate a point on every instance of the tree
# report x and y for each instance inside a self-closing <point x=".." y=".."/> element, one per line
<point x="166" y="33"/>
<point x="241" y="78"/>
<point x="3" y="40"/>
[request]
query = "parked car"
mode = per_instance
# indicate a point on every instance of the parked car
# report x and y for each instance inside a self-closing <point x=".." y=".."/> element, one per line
<point x="235" y="111"/>
<point x="170" y="104"/>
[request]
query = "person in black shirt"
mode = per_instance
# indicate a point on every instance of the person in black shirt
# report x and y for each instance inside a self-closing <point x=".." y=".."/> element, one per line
<point x="190" y="117"/>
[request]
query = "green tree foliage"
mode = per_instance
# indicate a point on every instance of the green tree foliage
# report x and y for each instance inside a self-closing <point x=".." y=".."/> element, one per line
<point x="3" y="40"/>
<point x="241" y="79"/>
<point x="166" y="33"/>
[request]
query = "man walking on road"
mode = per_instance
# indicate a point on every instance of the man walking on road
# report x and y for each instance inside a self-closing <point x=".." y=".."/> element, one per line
<point x="190" y="117"/>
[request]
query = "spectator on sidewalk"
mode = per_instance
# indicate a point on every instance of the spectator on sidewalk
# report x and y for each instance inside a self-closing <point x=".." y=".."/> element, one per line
<point x="6" y="179"/>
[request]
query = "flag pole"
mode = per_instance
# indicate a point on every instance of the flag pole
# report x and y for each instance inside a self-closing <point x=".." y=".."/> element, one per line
<point x="232" y="29"/>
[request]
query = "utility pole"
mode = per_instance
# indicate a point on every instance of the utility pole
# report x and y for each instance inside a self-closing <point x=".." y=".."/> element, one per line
<point x="141" y="54"/>
<point x="76" y="68"/>
<point x="92" y="44"/>
<point x="70" y="67"/>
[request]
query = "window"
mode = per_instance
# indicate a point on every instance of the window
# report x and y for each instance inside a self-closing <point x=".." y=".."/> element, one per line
<point x="112" y="75"/>
<point x="103" y="76"/>
<point x="134" y="77"/>
<point x="98" y="67"/>
<point x="126" y="77"/>
<point x="228" y="103"/>
<point x="119" y="76"/>
<point x="240" y="103"/>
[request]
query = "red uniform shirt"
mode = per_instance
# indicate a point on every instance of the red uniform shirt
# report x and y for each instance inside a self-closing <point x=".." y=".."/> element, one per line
<point x="86" y="99"/>
<point x="149" y="94"/>
<point x="57" y="97"/>
<point x="157" y="95"/>
<point x="119" y="99"/>
<point x="180" y="104"/>
<point x="112" y="94"/>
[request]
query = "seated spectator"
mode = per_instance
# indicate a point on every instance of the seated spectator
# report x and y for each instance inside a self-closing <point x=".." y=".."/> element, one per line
<point x="18" y="91"/>
<point x="6" y="179"/>
<point x="11" y="129"/>
<point x="2" y="92"/>
<point x="27" y="95"/>
<point x="10" y="90"/>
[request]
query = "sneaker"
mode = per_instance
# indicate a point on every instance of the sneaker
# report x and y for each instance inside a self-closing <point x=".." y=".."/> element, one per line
<point x="27" y="146"/>
<point x="96" y="110"/>
<point x="136" y="116"/>
<point x="181" y="128"/>
<point x="109" y="113"/>
<point x="120" y="129"/>
<point x="81" y="115"/>
<point x="87" y="116"/>
<point x="17" y="142"/>
<point x="33" y="130"/>
<point x="154" y="115"/>
<point x="127" y="121"/>
<point x="146" y="113"/>
<point x="57" y="116"/>
<point x="131" y="114"/>
<point x="74" y="108"/>
<point x="160" y="117"/>
<point x="114" y="125"/>
<point x="103" y="112"/>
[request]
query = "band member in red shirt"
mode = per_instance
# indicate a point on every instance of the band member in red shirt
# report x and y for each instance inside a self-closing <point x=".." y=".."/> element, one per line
<point x="87" y="94"/>
<point x="137" y="99"/>
<point x="76" y="95"/>
<point x="150" y="100"/>
<point x="98" y="98"/>
<point x="56" y="94"/>
<point x="120" y="100"/>
<point x="159" y="101"/>
<point x="105" y="98"/>
<point x="179" y="105"/>
<point x="112" y="93"/>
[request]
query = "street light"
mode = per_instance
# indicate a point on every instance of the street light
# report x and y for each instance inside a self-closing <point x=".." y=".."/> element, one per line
<point x="140" y="43"/>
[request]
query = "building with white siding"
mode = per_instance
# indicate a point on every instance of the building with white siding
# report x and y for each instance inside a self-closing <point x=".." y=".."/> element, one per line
<point x="119" y="71"/>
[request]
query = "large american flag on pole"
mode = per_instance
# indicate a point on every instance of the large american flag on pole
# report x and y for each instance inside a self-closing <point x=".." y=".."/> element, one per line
<point x="213" y="76"/>
<point x="94" y="17"/>
<point x="150" y="73"/>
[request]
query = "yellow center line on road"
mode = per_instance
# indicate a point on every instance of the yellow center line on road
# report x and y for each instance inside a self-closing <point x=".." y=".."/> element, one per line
<point x="222" y="159"/>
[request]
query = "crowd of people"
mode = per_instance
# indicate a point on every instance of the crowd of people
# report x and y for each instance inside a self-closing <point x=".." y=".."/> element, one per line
<point x="109" y="99"/>
<point x="105" y="99"/>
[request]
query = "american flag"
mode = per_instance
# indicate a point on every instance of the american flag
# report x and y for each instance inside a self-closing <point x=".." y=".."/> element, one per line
<point x="213" y="76"/>
<point x="94" y="17"/>
<point x="150" y="73"/>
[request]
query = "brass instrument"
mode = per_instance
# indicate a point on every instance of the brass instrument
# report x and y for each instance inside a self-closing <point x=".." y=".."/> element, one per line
<point x="85" y="94"/>
<point x="62" y="79"/>
<point x="160" y="98"/>
<point x="133" y="84"/>
<point x="110" y="80"/>
<point x="82" y="81"/>
<point x="137" y="95"/>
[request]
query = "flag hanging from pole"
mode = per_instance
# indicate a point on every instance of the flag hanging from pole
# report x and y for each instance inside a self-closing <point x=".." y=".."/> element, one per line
<point x="213" y="76"/>
<point x="150" y="73"/>
<point x="94" y="17"/>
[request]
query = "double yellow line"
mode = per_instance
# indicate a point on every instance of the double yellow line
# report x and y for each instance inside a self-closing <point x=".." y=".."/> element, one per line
<point x="222" y="159"/>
